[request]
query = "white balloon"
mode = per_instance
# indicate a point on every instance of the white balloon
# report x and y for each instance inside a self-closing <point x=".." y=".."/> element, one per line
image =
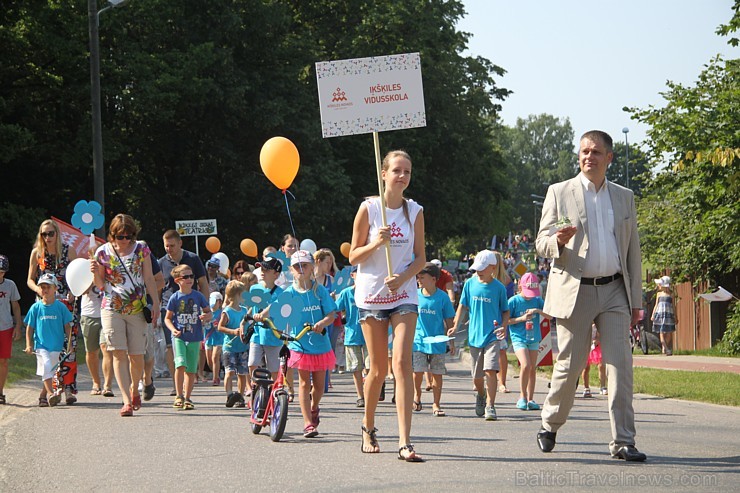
<point x="309" y="245"/>
<point x="224" y="262"/>
<point x="79" y="278"/>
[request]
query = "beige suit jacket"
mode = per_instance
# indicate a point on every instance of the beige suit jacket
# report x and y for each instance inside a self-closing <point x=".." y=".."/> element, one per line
<point x="567" y="199"/>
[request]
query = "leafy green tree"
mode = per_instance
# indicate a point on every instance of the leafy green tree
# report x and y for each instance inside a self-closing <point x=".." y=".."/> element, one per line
<point x="639" y="167"/>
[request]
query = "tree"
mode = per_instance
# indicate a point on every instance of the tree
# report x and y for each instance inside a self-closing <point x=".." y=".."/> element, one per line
<point x="639" y="167"/>
<point x="539" y="152"/>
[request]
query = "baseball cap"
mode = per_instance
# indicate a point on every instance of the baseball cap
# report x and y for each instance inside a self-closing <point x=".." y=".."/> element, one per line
<point x="47" y="279"/>
<point x="530" y="285"/>
<point x="301" y="257"/>
<point x="271" y="264"/>
<point x="664" y="282"/>
<point x="436" y="262"/>
<point x="431" y="269"/>
<point x="215" y="262"/>
<point x="215" y="296"/>
<point x="483" y="259"/>
<point x="4" y="263"/>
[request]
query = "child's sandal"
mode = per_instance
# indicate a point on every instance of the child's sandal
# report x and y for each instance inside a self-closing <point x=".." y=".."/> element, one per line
<point x="373" y="441"/>
<point x="43" y="402"/>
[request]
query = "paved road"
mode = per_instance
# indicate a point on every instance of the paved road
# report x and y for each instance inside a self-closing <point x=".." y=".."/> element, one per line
<point x="87" y="447"/>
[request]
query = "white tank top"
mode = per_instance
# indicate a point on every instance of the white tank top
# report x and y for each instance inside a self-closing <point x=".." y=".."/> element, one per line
<point x="371" y="292"/>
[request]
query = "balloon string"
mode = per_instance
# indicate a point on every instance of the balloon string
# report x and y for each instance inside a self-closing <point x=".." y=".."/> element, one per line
<point x="292" y="228"/>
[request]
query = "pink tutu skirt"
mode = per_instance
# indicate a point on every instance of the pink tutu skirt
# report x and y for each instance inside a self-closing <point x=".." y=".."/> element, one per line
<point x="312" y="362"/>
<point x="594" y="357"/>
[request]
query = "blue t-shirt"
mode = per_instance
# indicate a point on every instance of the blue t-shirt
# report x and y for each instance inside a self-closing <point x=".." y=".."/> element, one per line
<point x="234" y="344"/>
<point x="167" y="264"/>
<point x="433" y="311"/>
<point x="48" y="322"/>
<point x="215" y="338"/>
<point x="263" y="335"/>
<point x="517" y="306"/>
<point x="486" y="303"/>
<point x="352" y="329"/>
<point x="187" y="309"/>
<point x="316" y="305"/>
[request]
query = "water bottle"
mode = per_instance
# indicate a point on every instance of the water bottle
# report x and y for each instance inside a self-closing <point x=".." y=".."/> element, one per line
<point x="529" y="330"/>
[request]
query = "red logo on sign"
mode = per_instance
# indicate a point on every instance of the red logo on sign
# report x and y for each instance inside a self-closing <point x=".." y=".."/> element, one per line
<point x="338" y="95"/>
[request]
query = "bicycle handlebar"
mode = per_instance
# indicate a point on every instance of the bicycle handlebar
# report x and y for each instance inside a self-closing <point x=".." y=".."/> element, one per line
<point x="283" y="336"/>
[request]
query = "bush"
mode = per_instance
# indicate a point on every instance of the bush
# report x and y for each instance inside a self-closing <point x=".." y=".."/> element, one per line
<point x="730" y="343"/>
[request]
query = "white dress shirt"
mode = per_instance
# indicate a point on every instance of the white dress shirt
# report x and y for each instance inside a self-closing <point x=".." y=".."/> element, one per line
<point x="602" y="257"/>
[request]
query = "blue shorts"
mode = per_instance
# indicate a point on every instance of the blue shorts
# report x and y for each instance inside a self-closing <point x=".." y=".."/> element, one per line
<point x="518" y="344"/>
<point x="386" y="314"/>
<point x="236" y="362"/>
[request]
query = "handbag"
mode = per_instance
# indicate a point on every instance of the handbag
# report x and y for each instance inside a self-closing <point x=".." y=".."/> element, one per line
<point x="146" y="311"/>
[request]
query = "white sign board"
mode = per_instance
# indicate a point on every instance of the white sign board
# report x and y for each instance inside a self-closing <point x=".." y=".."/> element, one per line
<point x="196" y="227"/>
<point x="364" y="95"/>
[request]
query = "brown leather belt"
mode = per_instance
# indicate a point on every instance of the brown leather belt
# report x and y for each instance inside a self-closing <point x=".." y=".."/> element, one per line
<point x="600" y="281"/>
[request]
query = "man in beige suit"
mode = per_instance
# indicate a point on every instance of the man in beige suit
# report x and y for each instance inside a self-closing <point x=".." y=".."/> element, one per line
<point x="595" y="276"/>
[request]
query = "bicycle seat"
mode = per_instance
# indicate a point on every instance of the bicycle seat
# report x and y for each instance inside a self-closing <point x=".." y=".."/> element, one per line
<point x="261" y="376"/>
<point x="264" y="382"/>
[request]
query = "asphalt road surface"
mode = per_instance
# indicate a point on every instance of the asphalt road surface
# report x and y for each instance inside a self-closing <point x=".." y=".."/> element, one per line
<point x="88" y="447"/>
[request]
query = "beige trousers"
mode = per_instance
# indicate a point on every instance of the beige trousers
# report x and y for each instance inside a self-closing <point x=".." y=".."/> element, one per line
<point x="606" y="305"/>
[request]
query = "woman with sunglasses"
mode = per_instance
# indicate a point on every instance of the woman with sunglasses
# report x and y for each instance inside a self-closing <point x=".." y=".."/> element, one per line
<point x="123" y="271"/>
<point x="51" y="256"/>
<point x="240" y="268"/>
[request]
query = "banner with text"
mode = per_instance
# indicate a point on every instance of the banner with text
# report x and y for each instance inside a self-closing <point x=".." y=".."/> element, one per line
<point x="374" y="94"/>
<point x="196" y="227"/>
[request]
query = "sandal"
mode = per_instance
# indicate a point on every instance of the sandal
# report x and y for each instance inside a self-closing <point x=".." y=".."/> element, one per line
<point x="96" y="391"/>
<point x="43" y="402"/>
<point x="291" y="397"/>
<point x="108" y="393"/>
<point x="188" y="406"/>
<point x="439" y="413"/>
<point x="179" y="402"/>
<point x="410" y="455"/>
<point x="136" y="402"/>
<point x="127" y="410"/>
<point x="310" y="431"/>
<point x="503" y="389"/>
<point x="373" y="441"/>
<point x="315" y="420"/>
<point x="2" y="398"/>
<point x="417" y="406"/>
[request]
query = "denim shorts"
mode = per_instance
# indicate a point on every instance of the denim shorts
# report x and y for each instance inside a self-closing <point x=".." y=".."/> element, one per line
<point x="236" y="362"/>
<point x="386" y="314"/>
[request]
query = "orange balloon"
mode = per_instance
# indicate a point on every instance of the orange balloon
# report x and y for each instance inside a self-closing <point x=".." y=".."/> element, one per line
<point x="213" y="244"/>
<point x="280" y="160"/>
<point x="248" y="247"/>
<point x="345" y="249"/>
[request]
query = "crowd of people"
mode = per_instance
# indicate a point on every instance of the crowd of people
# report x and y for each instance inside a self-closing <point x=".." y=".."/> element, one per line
<point x="136" y="300"/>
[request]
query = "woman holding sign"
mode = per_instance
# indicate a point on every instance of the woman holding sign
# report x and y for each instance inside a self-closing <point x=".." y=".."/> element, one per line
<point x="384" y="297"/>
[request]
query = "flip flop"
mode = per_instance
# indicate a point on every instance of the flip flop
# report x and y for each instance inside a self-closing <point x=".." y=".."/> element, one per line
<point x="96" y="391"/>
<point x="418" y="406"/>
<point x="439" y="413"/>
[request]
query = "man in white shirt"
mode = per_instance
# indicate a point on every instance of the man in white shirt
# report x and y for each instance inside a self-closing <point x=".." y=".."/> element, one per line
<point x="595" y="276"/>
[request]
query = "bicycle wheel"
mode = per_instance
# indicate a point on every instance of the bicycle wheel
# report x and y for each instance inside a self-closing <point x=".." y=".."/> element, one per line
<point x="643" y="341"/>
<point x="259" y="401"/>
<point x="279" y="417"/>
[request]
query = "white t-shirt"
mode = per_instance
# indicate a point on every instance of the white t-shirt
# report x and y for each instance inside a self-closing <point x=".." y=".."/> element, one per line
<point x="90" y="305"/>
<point x="8" y="292"/>
<point x="371" y="292"/>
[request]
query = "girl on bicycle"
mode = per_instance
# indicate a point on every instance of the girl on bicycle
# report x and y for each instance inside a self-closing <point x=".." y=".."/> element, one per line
<point x="312" y="355"/>
<point x="384" y="299"/>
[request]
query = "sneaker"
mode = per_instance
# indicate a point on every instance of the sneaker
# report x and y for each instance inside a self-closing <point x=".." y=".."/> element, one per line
<point x="587" y="393"/>
<point x="533" y="406"/>
<point x="232" y="399"/>
<point x="2" y="398"/>
<point x="149" y="391"/>
<point x="310" y="431"/>
<point x="69" y="397"/>
<point x="521" y="404"/>
<point x="480" y="405"/>
<point x="604" y="391"/>
<point x="54" y="399"/>
<point x="491" y="413"/>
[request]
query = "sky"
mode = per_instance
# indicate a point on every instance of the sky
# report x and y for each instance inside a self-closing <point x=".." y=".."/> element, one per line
<point x="586" y="60"/>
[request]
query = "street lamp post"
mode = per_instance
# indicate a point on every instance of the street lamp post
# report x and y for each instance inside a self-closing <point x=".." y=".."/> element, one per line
<point x="627" y="154"/>
<point x="535" y="203"/>
<point x="93" y="18"/>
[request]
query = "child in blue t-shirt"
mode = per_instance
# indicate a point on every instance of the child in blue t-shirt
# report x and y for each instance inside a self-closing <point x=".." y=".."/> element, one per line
<point x="214" y="340"/>
<point x="236" y="352"/>
<point x="484" y="300"/>
<point x="524" y="308"/>
<point x="187" y="311"/>
<point x="264" y="344"/>
<point x="435" y="319"/>
<point x="312" y="355"/>
<point x="46" y="323"/>
<point x="355" y="349"/>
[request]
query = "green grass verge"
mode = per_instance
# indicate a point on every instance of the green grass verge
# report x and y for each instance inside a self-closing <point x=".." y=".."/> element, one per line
<point x="711" y="387"/>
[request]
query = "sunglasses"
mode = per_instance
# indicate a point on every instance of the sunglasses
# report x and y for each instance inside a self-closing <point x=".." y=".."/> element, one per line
<point x="240" y="272"/>
<point x="123" y="237"/>
<point x="187" y="276"/>
<point x="49" y="234"/>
